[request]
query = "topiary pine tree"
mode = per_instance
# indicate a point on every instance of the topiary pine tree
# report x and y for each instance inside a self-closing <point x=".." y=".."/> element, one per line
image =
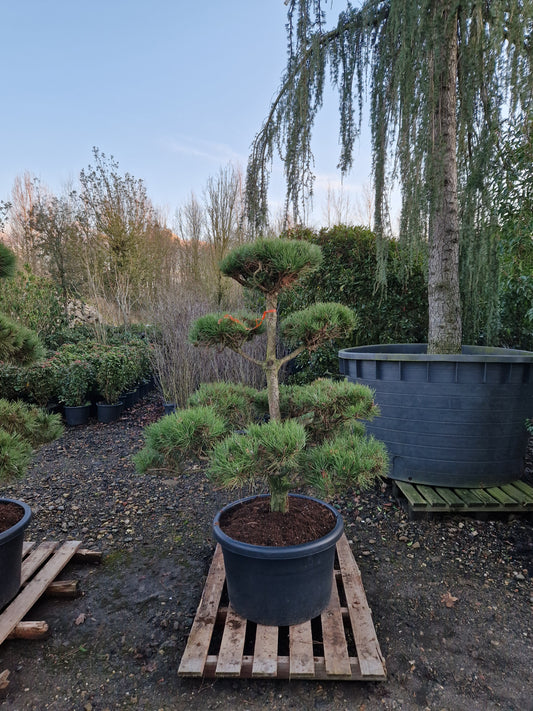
<point x="268" y="266"/>
<point x="276" y="452"/>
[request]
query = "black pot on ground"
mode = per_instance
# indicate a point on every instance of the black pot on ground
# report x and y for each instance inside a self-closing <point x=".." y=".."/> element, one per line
<point x="448" y="420"/>
<point x="11" y="553"/>
<point x="169" y="407"/>
<point x="279" y="585"/>
<point x="108" y="413"/>
<point x="129" y="398"/>
<point x="77" y="415"/>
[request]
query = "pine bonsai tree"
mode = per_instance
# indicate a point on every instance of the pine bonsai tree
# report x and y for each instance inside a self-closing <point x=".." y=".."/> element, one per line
<point x="318" y="429"/>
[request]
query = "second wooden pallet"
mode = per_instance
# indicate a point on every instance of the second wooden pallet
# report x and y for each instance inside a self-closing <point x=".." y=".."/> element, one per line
<point x="341" y="644"/>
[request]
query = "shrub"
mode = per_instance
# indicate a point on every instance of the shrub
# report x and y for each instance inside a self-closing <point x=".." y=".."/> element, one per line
<point x="233" y="402"/>
<point x="182" y="435"/>
<point x="17" y="342"/>
<point x="327" y="406"/>
<point x="29" y="422"/>
<point x="347" y="275"/>
<point x="40" y="381"/>
<point x="15" y="455"/>
<point x="111" y="374"/>
<point x="76" y="380"/>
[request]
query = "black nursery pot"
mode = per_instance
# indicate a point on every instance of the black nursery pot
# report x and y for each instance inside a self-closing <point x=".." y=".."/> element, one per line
<point x="11" y="554"/>
<point x="279" y="586"/>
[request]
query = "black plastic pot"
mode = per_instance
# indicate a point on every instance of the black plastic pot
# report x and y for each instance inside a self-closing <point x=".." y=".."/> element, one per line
<point x="76" y="415"/>
<point x="109" y="413"/>
<point x="448" y="420"/>
<point x="279" y="585"/>
<point x="169" y="408"/>
<point x="11" y="554"/>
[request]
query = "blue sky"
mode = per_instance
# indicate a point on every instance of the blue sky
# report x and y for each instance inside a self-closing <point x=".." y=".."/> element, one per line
<point x="173" y="90"/>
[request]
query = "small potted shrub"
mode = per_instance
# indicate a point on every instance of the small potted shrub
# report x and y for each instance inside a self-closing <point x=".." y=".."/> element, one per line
<point x="110" y="380"/>
<point x="278" y="547"/>
<point x="75" y="382"/>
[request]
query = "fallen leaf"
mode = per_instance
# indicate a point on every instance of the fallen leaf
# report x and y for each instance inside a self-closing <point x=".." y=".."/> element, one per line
<point x="80" y="619"/>
<point x="448" y="599"/>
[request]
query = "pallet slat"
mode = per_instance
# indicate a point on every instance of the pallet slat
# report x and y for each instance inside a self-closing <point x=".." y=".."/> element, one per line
<point x="227" y="656"/>
<point x="368" y="650"/>
<point x="336" y="657"/>
<point x="302" y="663"/>
<point x="450" y="497"/>
<point x="232" y="645"/>
<point x="265" y="662"/>
<point x="194" y="658"/>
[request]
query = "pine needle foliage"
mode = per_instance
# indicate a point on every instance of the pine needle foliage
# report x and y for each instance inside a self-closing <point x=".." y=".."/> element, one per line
<point x="30" y="422"/>
<point x="328" y="406"/>
<point x="18" y="343"/>
<point x="184" y="434"/>
<point x="15" y="455"/>
<point x="233" y="402"/>
<point x="272" y="452"/>
<point x="316" y="324"/>
<point x="441" y="77"/>
<point x="269" y="266"/>
<point x="269" y="452"/>
<point x="337" y="463"/>
<point x="225" y="330"/>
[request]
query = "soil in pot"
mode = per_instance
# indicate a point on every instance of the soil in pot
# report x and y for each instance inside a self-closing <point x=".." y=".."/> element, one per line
<point x="10" y="514"/>
<point x="253" y="522"/>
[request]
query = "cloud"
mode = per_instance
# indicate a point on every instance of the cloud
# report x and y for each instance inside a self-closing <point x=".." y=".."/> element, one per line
<point x="217" y="153"/>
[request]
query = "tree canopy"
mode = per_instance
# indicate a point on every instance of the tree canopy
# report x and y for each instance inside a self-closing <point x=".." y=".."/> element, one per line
<point x="442" y="76"/>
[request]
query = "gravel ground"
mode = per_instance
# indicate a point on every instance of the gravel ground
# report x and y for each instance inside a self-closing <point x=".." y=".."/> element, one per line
<point x="452" y="597"/>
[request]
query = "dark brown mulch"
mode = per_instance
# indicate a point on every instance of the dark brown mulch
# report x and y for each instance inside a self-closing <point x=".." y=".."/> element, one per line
<point x="452" y="596"/>
<point x="10" y="514"/>
<point x="253" y="522"/>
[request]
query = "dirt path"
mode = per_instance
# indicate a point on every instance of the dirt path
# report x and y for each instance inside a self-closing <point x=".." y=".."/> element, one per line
<point x="138" y="605"/>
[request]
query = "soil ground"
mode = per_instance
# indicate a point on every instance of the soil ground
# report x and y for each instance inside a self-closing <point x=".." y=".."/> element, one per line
<point x="452" y="597"/>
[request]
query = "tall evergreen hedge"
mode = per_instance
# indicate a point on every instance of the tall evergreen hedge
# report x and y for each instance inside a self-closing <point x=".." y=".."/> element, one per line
<point x="347" y="274"/>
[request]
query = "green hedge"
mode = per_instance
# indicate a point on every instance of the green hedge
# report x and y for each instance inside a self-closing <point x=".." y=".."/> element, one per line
<point x="397" y="314"/>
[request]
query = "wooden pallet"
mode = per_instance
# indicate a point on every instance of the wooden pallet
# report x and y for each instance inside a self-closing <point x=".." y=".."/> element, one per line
<point x="341" y="644"/>
<point x="516" y="497"/>
<point x="40" y="566"/>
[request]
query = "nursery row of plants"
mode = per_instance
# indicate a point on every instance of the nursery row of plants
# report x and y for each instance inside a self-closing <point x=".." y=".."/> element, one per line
<point x="77" y="373"/>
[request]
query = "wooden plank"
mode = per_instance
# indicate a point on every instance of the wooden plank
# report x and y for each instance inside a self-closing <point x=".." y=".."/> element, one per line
<point x="336" y="656"/>
<point x="411" y="494"/>
<point x="194" y="657"/>
<point x="471" y="499"/>
<point x="450" y="497"/>
<point x="369" y="656"/>
<point x="30" y="630"/>
<point x="35" y="559"/>
<point x="232" y="645"/>
<point x="25" y="600"/>
<point x="63" y="588"/>
<point x="501" y="496"/>
<point x="525" y="488"/>
<point x="487" y="499"/>
<point x="301" y="661"/>
<point x="431" y="496"/>
<point x="521" y="497"/>
<point x="27" y="547"/>
<point x="265" y="663"/>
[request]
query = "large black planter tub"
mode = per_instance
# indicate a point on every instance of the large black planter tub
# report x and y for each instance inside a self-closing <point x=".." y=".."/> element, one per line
<point x="448" y="420"/>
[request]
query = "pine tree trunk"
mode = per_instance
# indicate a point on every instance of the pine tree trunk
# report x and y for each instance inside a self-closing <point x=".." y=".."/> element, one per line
<point x="271" y="363"/>
<point x="445" y="332"/>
